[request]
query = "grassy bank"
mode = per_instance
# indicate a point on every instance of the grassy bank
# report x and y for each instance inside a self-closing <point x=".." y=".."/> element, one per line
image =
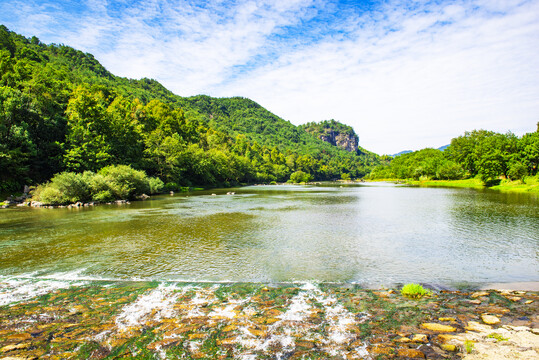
<point x="150" y="320"/>
<point x="527" y="185"/>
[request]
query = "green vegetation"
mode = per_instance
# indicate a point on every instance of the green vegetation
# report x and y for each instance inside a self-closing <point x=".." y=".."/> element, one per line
<point x="300" y="177"/>
<point x="529" y="184"/>
<point x="481" y="158"/>
<point x="110" y="183"/>
<point x="497" y="337"/>
<point x="61" y="110"/>
<point x="469" y="346"/>
<point x="414" y="291"/>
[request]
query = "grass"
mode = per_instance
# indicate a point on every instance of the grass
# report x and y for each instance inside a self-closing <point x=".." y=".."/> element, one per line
<point x="469" y="346"/>
<point x="414" y="291"/>
<point x="529" y="184"/>
<point x="497" y="337"/>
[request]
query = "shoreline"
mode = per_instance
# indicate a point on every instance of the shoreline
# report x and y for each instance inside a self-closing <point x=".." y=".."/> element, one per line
<point x="141" y="319"/>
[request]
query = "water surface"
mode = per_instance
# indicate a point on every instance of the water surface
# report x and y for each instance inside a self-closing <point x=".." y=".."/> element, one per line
<point x="375" y="234"/>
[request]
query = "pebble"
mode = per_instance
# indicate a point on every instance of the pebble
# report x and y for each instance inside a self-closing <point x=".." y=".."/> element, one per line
<point x="411" y="353"/>
<point x="438" y="327"/>
<point x="420" y="338"/>
<point x="8" y="348"/>
<point x="449" y="347"/>
<point x="447" y="319"/>
<point x="403" y="339"/>
<point x="479" y="294"/>
<point x="490" y="319"/>
<point x="475" y="326"/>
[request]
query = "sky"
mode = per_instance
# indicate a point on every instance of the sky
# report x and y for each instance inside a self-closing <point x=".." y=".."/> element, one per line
<point x="404" y="74"/>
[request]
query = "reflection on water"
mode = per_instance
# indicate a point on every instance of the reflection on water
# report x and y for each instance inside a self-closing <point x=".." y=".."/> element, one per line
<point x="371" y="234"/>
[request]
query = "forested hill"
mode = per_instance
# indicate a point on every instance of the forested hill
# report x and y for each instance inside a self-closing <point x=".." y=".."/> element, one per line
<point x="61" y="110"/>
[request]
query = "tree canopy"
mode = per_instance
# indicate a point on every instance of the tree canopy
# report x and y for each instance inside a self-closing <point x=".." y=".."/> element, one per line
<point x="61" y="110"/>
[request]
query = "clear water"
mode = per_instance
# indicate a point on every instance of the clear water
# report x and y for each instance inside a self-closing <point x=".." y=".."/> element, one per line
<point x="375" y="234"/>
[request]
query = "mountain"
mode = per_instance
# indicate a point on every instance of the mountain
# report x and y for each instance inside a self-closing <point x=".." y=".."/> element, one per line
<point x="442" y="148"/>
<point x="61" y="110"/>
<point x="401" y="153"/>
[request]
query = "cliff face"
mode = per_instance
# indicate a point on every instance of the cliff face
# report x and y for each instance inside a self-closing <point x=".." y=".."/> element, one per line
<point x="335" y="133"/>
<point x="346" y="141"/>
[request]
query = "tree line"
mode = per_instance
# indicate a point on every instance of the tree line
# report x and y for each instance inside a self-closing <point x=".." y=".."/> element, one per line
<point x="480" y="153"/>
<point x="62" y="111"/>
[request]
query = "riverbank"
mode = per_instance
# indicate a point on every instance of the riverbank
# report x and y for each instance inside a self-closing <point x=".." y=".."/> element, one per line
<point x="147" y="320"/>
<point x="528" y="185"/>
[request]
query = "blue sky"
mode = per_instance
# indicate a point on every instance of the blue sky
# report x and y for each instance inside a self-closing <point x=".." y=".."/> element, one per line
<point x="405" y="74"/>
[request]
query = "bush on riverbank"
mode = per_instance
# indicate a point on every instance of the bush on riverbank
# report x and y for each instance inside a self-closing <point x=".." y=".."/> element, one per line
<point x="110" y="183"/>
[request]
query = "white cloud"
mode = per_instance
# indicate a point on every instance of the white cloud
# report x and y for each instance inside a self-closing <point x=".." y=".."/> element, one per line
<point x="403" y="74"/>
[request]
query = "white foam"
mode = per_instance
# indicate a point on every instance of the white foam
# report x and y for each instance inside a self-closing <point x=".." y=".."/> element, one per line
<point x="159" y="301"/>
<point x="298" y="309"/>
<point x="15" y="289"/>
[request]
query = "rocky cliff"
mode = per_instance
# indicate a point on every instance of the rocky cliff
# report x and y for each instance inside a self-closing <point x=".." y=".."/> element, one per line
<point x="335" y="133"/>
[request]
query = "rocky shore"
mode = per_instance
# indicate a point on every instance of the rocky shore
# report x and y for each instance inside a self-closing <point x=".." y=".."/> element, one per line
<point x="51" y="319"/>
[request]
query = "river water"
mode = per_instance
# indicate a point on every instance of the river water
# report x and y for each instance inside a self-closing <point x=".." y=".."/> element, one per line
<point x="373" y="234"/>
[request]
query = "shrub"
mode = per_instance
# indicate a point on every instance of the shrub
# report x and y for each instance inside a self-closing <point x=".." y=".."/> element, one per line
<point x="414" y="291"/>
<point x="517" y="171"/>
<point x="50" y="195"/>
<point x="155" y="184"/>
<point x="111" y="183"/>
<point x="64" y="188"/>
<point x="124" y="181"/>
<point x="300" y="176"/>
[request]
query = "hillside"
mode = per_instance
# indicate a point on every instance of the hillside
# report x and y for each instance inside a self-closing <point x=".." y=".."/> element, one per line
<point x="61" y="110"/>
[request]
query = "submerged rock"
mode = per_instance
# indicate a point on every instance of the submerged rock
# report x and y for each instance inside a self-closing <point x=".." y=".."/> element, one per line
<point x="490" y="319"/>
<point x="438" y="327"/>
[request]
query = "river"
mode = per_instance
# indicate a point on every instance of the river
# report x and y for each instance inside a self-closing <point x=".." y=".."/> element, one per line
<point x="374" y="234"/>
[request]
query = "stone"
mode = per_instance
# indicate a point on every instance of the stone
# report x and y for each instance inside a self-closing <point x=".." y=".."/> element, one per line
<point x="446" y="337"/>
<point x="528" y="302"/>
<point x="479" y="294"/>
<point x="449" y="347"/>
<point x="228" y="341"/>
<point x="20" y="337"/>
<point x="475" y="302"/>
<point x="8" y="348"/>
<point x="475" y="326"/>
<point x="514" y="298"/>
<point x="196" y="336"/>
<point x="438" y="327"/>
<point x="411" y="353"/>
<point x="229" y="328"/>
<point x="447" y="319"/>
<point x="258" y="333"/>
<point x="381" y="350"/>
<point x="403" y="339"/>
<point x="420" y="338"/>
<point x="490" y="319"/>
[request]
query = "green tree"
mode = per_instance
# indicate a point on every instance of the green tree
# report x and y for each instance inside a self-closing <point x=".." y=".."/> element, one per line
<point x="86" y="144"/>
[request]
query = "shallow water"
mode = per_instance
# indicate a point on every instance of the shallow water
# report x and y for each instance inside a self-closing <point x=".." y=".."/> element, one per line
<point x="373" y="234"/>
